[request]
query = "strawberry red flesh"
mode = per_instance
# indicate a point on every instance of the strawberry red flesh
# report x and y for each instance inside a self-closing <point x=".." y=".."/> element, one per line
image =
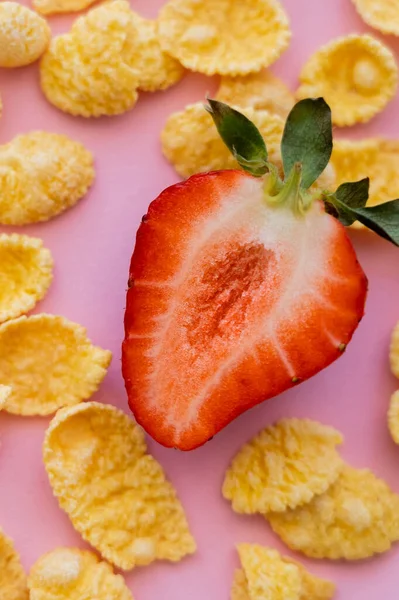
<point x="232" y="301"/>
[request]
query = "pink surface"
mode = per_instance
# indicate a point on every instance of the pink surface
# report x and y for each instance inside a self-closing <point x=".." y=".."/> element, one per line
<point x="92" y="245"/>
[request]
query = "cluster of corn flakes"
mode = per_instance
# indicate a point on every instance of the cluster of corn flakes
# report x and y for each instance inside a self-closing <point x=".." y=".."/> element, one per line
<point x="41" y="175"/>
<point x="318" y="505"/>
<point x="48" y="362"/>
<point x="190" y="140"/>
<point x="24" y="35"/>
<point x="72" y="574"/>
<point x="268" y="576"/>
<point x="12" y="576"/>
<point x="115" y="494"/>
<point x="357" y="75"/>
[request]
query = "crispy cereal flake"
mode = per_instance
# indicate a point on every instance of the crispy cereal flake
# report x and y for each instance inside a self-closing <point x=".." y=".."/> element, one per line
<point x="53" y="7"/>
<point x="72" y="574"/>
<point x="12" y="576"/>
<point x="157" y="70"/>
<point x="268" y="576"/>
<point x="394" y="351"/>
<point x="190" y="140"/>
<point x="357" y="517"/>
<point x="262" y="91"/>
<point x="41" y="175"/>
<point x="115" y="494"/>
<point x="26" y="271"/>
<point x="380" y="14"/>
<point x="48" y="362"/>
<point x="376" y="158"/>
<point x="357" y="75"/>
<point x="225" y="37"/>
<point x="393" y="417"/>
<point x="91" y="70"/>
<point x="24" y="35"/>
<point x="284" y="466"/>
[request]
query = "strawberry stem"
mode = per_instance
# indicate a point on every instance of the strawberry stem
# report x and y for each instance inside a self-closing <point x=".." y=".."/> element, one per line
<point x="290" y="195"/>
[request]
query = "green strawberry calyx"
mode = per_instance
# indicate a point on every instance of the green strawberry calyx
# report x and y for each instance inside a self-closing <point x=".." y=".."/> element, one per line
<point x="306" y="149"/>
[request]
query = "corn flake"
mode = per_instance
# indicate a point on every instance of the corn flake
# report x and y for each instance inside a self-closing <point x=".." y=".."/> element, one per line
<point x="380" y="14"/>
<point x="53" y="7"/>
<point x="72" y="574"/>
<point x="357" y="517"/>
<point x="393" y="417"/>
<point x="357" y="75"/>
<point x="41" y="175"/>
<point x="262" y="91"/>
<point x="48" y="362"/>
<point x="284" y="466"/>
<point x="157" y="70"/>
<point x="190" y="140"/>
<point x="12" y="575"/>
<point x="268" y="575"/>
<point x="26" y="271"/>
<point x="376" y="158"/>
<point x="91" y="70"/>
<point x="116" y="496"/>
<point x="24" y="35"/>
<point x="225" y="37"/>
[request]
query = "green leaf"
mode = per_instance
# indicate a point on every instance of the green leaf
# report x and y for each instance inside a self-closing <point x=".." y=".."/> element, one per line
<point x="307" y="139"/>
<point x="241" y="136"/>
<point x="354" y="194"/>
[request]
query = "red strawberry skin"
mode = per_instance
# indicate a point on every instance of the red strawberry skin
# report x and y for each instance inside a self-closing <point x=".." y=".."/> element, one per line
<point x="231" y="302"/>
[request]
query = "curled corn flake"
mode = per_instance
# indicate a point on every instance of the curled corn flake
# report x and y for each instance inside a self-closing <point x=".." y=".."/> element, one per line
<point x="53" y="7"/>
<point x="262" y="91"/>
<point x="394" y="351"/>
<point x="393" y="417"/>
<point x="225" y="37"/>
<point x="285" y="465"/>
<point x="380" y="14"/>
<point x="376" y="158"/>
<point x="191" y="143"/>
<point x="116" y="496"/>
<point x="48" y="362"/>
<point x="357" y="75"/>
<point x="26" y="271"/>
<point x="12" y="575"/>
<point x="157" y="70"/>
<point x="268" y="575"/>
<point x="72" y="574"/>
<point x="24" y="35"/>
<point x="41" y="175"/>
<point x="91" y="70"/>
<point x="357" y="517"/>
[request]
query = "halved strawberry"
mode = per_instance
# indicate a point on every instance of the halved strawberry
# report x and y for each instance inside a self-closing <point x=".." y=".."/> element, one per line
<point x="240" y="287"/>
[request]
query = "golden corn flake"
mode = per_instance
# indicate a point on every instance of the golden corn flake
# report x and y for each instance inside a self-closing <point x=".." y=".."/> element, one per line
<point x="393" y="417"/>
<point x="190" y="140"/>
<point x="357" y="76"/>
<point x="267" y="575"/>
<point x="285" y="465"/>
<point x="91" y="70"/>
<point x="72" y="574"/>
<point x="26" y="271"/>
<point x="48" y="362"/>
<point x="394" y="351"/>
<point x="52" y="7"/>
<point x="225" y="37"/>
<point x="376" y="158"/>
<point x="157" y="70"/>
<point x="12" y="575"/>
<point x="116" y="496"/>
<point x="24" y="35"/>
<point x="41" y="175"/>
<point x="380" y="14"/>
<point x="262" y="91"/>
<point x="357" y="517"/>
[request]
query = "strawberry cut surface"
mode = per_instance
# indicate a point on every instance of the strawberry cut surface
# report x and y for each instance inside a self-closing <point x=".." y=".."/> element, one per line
<point x="231" y="302"/>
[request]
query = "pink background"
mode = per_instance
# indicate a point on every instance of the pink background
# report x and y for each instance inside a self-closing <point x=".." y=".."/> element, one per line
<point x="92" y="245"/>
